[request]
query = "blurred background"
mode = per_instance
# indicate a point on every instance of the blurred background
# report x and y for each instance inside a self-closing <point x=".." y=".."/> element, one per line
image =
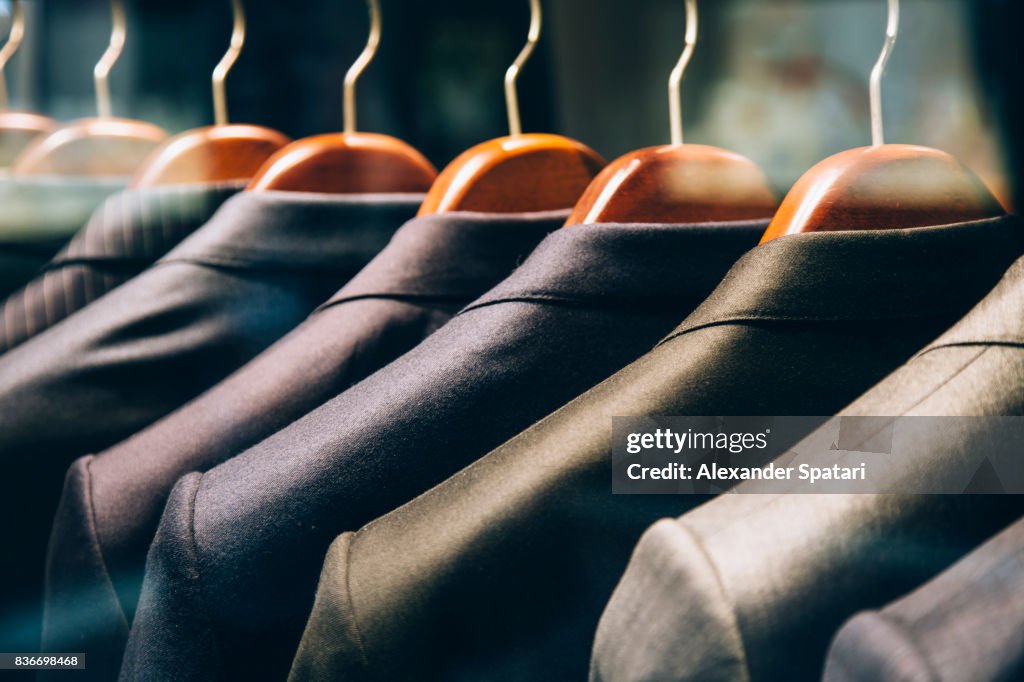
<point x="781" y="81"/>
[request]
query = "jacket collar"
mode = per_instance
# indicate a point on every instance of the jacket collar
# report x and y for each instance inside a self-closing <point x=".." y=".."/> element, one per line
<point x="615" y="265"/>
<point x="451" y="256"/>
<point x="864" y="275"/>
<point x="295" y="230"/>
<point x="142" y="223"/>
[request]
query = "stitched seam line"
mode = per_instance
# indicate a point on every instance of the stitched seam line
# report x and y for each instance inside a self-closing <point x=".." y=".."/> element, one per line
<point x="922" y="398"/>
<point x="733" y="620"/>
<point x="55" y="265"/>
<point x="360" y="642"/>
<point x="598" y="302"/>
<point x="946" y="381"/>
<point x="94" y="530"/>
<point x="907" y="637"/>
<point x="973" y="344"/>
<point x="405" y="298"/>
<point x="194" y="547"/>
<point x="796" y="318"/>
<point x="326" y="265"/>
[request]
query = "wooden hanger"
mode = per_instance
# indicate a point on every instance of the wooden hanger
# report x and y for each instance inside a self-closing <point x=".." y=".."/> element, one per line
<point x="17" y="128"/>
<point x="884" y="186"/>
<point x="223" y="152"/>
<point x="349" y="162"/>
<point x="520" y="172"/>
<point x="678" y="183"/>
<point x="95" y="146"/>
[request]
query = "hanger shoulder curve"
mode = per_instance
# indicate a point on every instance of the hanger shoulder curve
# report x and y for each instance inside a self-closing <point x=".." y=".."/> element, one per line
<point x="682" y="183"/>
<point x="221" y="153"/>
<point x="523" y="173"/>
<point x="884" y="187"/>
<point x="91" y="147"/>
<point x="346" y="163"/>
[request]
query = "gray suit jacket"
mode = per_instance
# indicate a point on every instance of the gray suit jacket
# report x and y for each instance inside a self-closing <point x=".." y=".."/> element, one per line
<point x="754" y="586"/>
<point x="962" y="626"/>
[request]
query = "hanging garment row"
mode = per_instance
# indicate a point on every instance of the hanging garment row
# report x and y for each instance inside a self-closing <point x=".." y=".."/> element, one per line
<point x="312" y="410"/>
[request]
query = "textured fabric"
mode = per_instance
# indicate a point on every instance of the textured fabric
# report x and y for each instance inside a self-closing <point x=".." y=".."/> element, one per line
<point x="791" y="568"/>
<point x="125" y="235"/>
<point x="964" y="625"/>
<point x="239" y="283"/>
<point x="38" y="216"/>
<point x="585" y="303"/>
<point x="112" y="503"/>
<point x="515" y="557"/>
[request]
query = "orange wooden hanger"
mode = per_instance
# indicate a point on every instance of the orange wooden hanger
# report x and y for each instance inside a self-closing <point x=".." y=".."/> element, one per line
<point x="222" y="152"/>
<point x="884" y="186"/>
<point x="678" y="183"/>
<point x="349" y="162"/>
<point x="95" y="146"/>
<point x="17" y="128"/>
<point x="520" y="172"/>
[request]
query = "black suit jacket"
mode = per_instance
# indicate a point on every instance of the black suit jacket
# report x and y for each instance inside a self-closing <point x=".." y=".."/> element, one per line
<point x="223" y="295"/>
<point x="965" y="624"/>
<point x="514" y="558"/>
<point x="112" y="503"/>
<point x="588" y="300"/>
<point x="125" y="235"/>
<point x="38" y="216"/>
<point x="754" y="586"/>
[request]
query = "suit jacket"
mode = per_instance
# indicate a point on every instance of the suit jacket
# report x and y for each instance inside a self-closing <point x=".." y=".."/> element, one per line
<point x="235" y="286"/>
<point x="965" y="624"/>
<point x="585" y="303"/>
<point x="126" y="235"/>
<point x="112" y="503"/>
<point x="533" y="542"/>
<point x="753" y="586"/>
<point x="38" y="216"/>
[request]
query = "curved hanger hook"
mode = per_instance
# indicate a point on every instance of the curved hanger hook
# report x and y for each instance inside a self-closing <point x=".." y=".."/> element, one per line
<point x="220" y="72"/>
<point x="359" y="66"/>
<point x="892" y="32"/>
<point x="515" y="123"/>
<point x="14" y="38"/>
<point x="675" y="101"/>
<point x="101" y="73"/>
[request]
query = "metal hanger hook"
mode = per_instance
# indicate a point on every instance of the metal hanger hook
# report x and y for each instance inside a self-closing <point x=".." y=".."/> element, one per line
<point x="892" y="32"/>
<point x="14" y="38"/>
<point x="101" y="73"/>
<point x="223" y="68"/>
<point x="515" y="122"/>
<point x="675" y="101"/>
<point x="359" y="66"/>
